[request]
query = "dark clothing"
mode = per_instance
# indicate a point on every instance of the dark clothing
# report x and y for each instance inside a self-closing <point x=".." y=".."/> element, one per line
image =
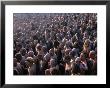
<point x="56" y="43"/>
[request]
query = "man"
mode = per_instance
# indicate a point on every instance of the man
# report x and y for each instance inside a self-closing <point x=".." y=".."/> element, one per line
<point x="31" y="66"/>
<point x="31" y="54"/>
<point x="49" y="44"/>
<point x="67" y="60"/>
<point x="75" y="66"/>
<point x="39" y="49"/>
<point x="83" y="64"/>
<point x="52" y="63"/>
<point x="56" y="43"/>
<point x="18" y="57"/>
<point x="92" y="62"/>
<point x="47" y="72"/>
<point x="53" y="71"/>
<point x="86" y="46"/>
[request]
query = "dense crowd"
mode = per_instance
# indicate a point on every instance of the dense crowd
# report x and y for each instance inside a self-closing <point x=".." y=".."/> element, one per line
<point x="55" y="44"/>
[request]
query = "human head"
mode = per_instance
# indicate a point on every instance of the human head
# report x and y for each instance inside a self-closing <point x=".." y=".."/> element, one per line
<point x="47" y="57"/>
<point x="30" y="54"/>
<point x="23" y="51"/>
<point x="38" y="47"/>
<point x="53" y="71"/>
<point x="18" y="56"/>
<point x="87" y="42"/>
<point x="52" y="63"/>
<point x="82" y="57"/>
<point x="29" y="61"/>
<point x="51" y="51"/>
<point x="67" y="59"/>
<point x="47" y="72"/>
<point x="15" y="62"/>
<point x="77" y="60"/>
<point x="92" y="54"/>
<point x="44" y="49"/>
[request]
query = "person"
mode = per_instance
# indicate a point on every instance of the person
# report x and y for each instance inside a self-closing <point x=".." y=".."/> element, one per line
<point x="31" y="54"/>
<point x="53" y="71"/>
<point x="67" y="65"/>
<point x="47" y="72"/>
<point x="86" y="46"/>
<point x="75" y="66"/>
<point x="58" y="55"/>
<point x="18" y="57"/>
<point x="44" y="50"/>
<point x="52" y="63"/>
<point x="52" y="53"/>
<point x="31" y="66"/>
<point x="39" y="49"/>
<point x="49" y="44"/>
<point x="83" y="64"/>
<point x="61" y="69"/>
<point x="56" y="43"/>
<point x="15" y="72"/>
<point x="92" y="60"/>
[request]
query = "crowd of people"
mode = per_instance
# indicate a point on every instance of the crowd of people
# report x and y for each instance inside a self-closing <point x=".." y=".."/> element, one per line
<point x="55" y="44"/>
